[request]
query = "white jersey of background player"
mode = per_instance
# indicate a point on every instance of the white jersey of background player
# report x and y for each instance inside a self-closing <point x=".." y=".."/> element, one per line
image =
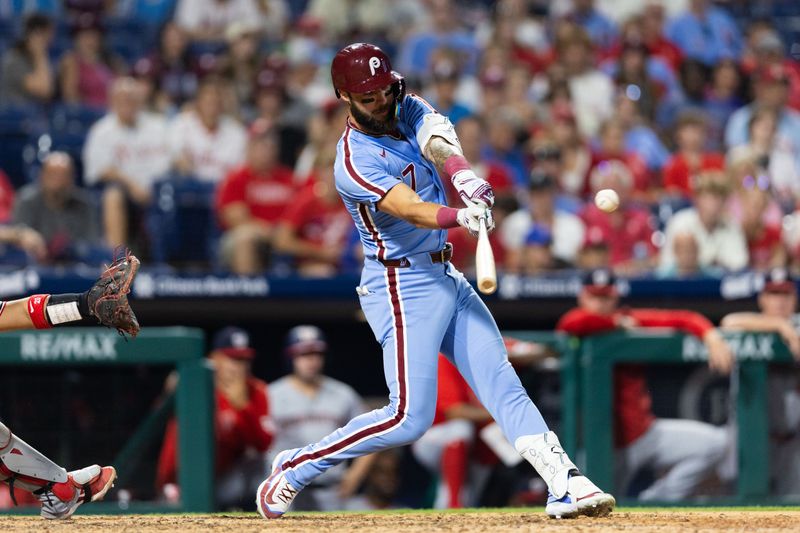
<point x="309" y="406"/>
<point x="778" y="303"/>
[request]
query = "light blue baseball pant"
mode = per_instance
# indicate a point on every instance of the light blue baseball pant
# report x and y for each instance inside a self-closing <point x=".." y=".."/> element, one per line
<point x="416" y="312"/>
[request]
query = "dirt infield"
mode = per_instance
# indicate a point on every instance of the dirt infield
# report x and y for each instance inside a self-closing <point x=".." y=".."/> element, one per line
<point x="467" y="522"/>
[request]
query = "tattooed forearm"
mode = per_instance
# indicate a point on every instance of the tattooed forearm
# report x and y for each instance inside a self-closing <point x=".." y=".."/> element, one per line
<point x="438" y="150"/>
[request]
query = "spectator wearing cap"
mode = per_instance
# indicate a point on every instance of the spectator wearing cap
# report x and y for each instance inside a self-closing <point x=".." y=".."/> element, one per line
<point x="690" y="157"/>
<point x="683" y="452"/>
<point x="629" y="229"/>
<point x="706" y="33"/>
<point x="313" y="405"/>
<point x="204" y="142"/>
<point x="88" y="70"/>
<point x="55" y="220"/>
<point x="771" y="158"/>
<point x="771" y="90"/>
<point x="567" y="230"/>
<point x="251" y="201"/>
<point x="26" y="75"/>
<point x="777" y="313"/>
<point x="315" y="226"/>
<point x="591" y="90"/>
<point x="207" y="20"/>
<point x="125" y="152"/>
<point x="242" y="431"/>
<point x="721" y="240"/>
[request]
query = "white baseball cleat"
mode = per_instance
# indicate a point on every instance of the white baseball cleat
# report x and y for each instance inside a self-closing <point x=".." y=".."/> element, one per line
<point x="582" y="498"/>
<point x="275" y="494"/>
<point x="88" y="484"/>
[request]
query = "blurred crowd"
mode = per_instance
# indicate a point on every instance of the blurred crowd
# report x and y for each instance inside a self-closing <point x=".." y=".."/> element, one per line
<point x="203" y="132"/>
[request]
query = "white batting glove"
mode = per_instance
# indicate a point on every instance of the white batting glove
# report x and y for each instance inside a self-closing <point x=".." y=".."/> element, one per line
<point x="472" y="189"/>
<point x="470" y="217"/>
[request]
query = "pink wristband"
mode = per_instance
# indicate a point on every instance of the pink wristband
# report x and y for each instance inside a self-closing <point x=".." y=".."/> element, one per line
<point x="447" y="217"/>
<point x="455" y="163"/>
<point x="36" y="305"/>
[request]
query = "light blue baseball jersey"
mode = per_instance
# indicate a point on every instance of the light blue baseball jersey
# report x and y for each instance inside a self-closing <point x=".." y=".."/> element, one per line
<point x="415" y="311"/>
<point x="366" y="169"/>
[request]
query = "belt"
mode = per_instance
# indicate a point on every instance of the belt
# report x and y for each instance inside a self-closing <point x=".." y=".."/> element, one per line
<point x="442" y="256"/>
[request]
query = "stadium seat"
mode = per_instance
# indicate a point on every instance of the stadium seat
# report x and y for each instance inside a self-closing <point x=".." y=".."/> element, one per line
<point x="74" y="119"/>
<point x="41" y="144"/>
<point x="17" y="125"/>
<point x="181" y="224"/>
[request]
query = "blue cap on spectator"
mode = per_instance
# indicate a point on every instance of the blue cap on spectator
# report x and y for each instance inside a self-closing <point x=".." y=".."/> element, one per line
<point x="233" y="342"/>
<point x="779" y="280"/>
<point x="600" y="282"/>
<point x="305" y="339"/>
<point x="539" y="235"/>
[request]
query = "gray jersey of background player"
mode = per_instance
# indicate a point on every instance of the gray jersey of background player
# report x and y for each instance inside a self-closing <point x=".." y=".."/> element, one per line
<point x="307" y="405"/>
<point x="777" y="302"/>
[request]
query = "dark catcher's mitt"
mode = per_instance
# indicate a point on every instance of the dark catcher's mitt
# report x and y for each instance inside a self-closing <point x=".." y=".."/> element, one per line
<point x="108" y="297"/>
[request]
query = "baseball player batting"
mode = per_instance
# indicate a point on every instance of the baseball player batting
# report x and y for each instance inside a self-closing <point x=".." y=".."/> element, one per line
<point x="389" y="159"/>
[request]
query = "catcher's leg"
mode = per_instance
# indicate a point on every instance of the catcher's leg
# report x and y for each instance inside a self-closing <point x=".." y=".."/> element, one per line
<point x="61" y="493"/>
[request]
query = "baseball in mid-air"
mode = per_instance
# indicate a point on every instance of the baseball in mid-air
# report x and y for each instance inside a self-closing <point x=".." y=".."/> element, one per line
<point x="607" y="200"/>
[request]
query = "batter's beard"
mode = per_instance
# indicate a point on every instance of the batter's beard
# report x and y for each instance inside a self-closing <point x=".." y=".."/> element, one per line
<point x="373" y="125"/>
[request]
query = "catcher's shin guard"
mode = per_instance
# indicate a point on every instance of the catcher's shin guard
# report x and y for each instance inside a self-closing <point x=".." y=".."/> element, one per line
<point x="22" y="459"/>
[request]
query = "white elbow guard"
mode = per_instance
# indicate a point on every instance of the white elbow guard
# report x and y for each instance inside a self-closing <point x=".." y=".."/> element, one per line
<point x="436" y="125"/>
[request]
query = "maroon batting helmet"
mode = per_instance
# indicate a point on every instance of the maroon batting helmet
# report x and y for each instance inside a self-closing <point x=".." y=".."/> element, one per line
<point x="362" y="68"/>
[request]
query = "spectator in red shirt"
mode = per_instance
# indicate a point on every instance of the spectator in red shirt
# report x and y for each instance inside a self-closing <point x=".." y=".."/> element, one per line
<point x="687" y="450"/>
<point x="652" y="24"/>
<point x="628" y="230"/>
<point x="251" y="201"/>
<point x="314" y="228"/>
<point x="690" y="158"/>
<point x="241" y="426"/>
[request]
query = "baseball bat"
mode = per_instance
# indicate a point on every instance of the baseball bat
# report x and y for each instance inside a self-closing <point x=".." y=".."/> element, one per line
<point x="484" y="261"/>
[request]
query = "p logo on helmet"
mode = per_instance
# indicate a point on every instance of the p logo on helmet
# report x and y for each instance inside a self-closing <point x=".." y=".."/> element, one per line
<point x="374" y="64"/>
